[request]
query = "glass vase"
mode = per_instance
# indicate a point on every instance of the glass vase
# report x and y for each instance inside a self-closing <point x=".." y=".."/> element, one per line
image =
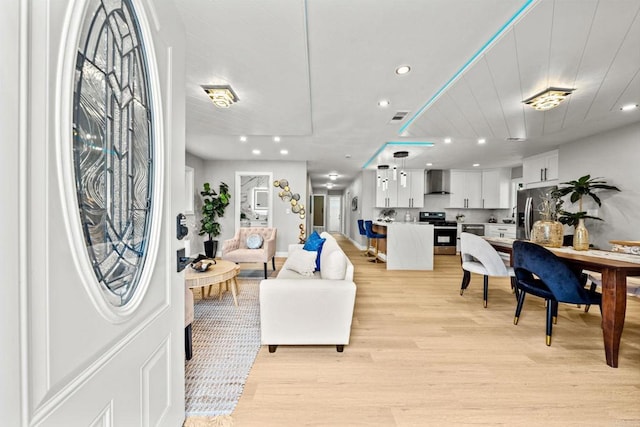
<point x="581" y="236"/>
<point x="547" y="233"/>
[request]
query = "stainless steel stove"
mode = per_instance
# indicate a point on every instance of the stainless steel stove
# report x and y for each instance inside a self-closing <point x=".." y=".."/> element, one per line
<point x="445" y="232"/>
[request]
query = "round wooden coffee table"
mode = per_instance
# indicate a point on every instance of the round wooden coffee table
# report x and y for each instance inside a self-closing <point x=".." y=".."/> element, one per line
<point x="221" y="273"/>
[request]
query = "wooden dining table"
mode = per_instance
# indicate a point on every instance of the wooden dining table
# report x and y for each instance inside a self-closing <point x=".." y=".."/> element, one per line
<point x="614" y="268"/>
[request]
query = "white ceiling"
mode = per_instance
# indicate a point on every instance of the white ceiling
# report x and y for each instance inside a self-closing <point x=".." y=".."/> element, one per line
<point x="313" y="71"/>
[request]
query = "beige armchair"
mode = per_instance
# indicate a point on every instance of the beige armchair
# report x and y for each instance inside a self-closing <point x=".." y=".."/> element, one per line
<point x="236" y="249"/>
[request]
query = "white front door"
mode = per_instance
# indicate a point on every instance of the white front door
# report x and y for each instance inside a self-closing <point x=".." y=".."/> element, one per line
<point x="77" y="356"/>
<point x="335" y="214"/>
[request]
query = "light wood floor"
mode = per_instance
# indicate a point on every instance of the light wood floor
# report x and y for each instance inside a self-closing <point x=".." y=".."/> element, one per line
<point x="422" y="355"/>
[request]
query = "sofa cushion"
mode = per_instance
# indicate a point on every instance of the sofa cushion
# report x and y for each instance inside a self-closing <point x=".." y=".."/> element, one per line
<point x="302" y="262"/>
<point x="254" y="241"/>
<point x="315" y="243"/>
<point x="334" y="265"/>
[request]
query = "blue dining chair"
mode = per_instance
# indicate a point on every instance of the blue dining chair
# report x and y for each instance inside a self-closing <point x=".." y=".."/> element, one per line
<point x="539" y="272"/>
<point x="363" y="232"/>
<point x="368" y="225"/>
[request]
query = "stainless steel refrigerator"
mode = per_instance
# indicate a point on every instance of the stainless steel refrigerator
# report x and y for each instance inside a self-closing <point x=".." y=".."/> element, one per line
<point x="528" y="209"/>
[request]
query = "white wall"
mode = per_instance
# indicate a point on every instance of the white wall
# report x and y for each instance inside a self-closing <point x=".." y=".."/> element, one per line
<point x="195" y="242"/>
<point x="614" y="156"/>
<point x="216" y="171"/>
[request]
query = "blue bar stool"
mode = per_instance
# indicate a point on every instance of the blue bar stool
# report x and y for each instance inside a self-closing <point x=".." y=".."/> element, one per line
<point x="363" y="232"/>
<point x="373" y="235"/>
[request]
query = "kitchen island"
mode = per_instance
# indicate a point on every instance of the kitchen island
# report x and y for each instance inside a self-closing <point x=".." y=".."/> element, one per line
<point x="409" y="245"/>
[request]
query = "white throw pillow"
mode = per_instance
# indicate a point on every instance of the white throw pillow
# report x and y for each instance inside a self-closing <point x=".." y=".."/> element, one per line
<point x="254" y="241"/>
<point x="302" y="262"/>
<point x="334" y="266"/>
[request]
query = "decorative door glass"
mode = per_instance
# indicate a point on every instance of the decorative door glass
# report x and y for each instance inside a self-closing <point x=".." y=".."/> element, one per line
<point x="113" y="146"/>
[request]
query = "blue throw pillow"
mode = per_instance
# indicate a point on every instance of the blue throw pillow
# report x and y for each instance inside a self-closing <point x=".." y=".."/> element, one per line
<point x="315" y="244"/>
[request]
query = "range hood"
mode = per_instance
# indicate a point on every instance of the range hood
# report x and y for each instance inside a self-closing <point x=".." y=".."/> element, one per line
<point x="438" y="181"/>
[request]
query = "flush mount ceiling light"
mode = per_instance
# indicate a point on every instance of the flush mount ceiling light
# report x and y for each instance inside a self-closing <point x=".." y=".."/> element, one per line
<point x="243" y="139"/>
<point x="256" y="152"/>
<point x="333" y="176"/>
<point x="548" y="98"/>
<point x="403" y="69"/>
<point x="276" y="139"/>
<point x="629" y="107"/>
<point x="383" y="102"/>
<point x="284" y="152"/>
<point x="481" y="141"/>
<point x="222" y="96"/>
<point x="447" y="140"/>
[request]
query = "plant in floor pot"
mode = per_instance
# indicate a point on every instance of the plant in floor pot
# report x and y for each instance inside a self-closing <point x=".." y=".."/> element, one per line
<point x="577" y="189"/>
<point x="213" y="207"/>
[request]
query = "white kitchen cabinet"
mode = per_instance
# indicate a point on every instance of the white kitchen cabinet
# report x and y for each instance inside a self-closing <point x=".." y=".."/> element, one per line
<point x="500" y="230"/>
<point x="496" y="185"/>
<point x="541" y="169"/>
<point x="411" y="195"/>
<point x="397" y="196"/>
<point x="387" y="195"/>
<point x="466" y="189"/>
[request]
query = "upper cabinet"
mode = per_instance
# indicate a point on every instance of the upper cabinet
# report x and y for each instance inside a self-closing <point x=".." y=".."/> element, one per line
<point x="466" y="189"/>
<point x="396" y="195"/>
<point x="411" y="195"/>
<point x="480" y="189"/>
<point x="540" y="170"/>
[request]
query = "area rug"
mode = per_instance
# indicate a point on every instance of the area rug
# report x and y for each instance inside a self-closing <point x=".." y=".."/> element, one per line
<point x="226" y="340"/>
<point x="256" y="274"/>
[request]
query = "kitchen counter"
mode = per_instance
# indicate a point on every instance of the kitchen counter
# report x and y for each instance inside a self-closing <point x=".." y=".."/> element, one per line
<point x="409" y="245"/>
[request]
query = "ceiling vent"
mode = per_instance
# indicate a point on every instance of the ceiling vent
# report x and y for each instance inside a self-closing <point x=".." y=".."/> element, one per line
<point x="399" y="116"/>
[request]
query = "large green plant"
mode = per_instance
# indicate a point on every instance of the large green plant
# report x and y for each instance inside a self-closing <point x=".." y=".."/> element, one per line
<point x="214" y="205"/>
<point x="578" y="189"/>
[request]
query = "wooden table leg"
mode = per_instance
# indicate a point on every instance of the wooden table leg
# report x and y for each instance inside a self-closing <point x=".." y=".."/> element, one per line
<point x="614" y="305"/>
<point x="234" y="290"/>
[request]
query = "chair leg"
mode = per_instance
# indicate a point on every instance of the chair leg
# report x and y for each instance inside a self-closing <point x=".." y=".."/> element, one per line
<point x="514" y="288"/>
<point x="265" y="270"/>
<point x="485" y="291"/>
<point x="375" y="253"/>
<point x="188" y="349"/>
<point x="592" y="289"/>
<point x="340" y="348"/>
<point x="519" y="306"/>
<point x="550" y="305"/>
<point x="466" y="278"/>
<point x="554" y="314"/>
<point x="272" y="348"/>
<point x="273" y="263"/>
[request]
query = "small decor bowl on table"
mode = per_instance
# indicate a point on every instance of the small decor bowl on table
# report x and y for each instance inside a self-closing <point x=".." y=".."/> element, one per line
<point x="202" y="265"/>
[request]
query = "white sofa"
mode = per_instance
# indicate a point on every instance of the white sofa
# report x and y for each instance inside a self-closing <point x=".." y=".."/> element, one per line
<point x="309" y="310"/>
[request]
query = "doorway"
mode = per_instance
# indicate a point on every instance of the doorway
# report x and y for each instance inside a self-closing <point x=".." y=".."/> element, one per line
<point x="318" y="213"/>
<point x="334" y="223"/>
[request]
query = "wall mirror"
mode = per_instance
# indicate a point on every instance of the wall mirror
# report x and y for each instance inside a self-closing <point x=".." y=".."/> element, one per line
<point x="253" y="204"/>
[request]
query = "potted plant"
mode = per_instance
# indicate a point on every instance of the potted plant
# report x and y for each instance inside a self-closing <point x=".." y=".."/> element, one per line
<point x="577" y="189"/>
<point x="214" y="205"/>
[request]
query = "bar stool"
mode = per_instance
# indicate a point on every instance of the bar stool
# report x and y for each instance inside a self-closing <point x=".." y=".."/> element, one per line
<point x="363" y="232"/>
<point x="373" y="235"/>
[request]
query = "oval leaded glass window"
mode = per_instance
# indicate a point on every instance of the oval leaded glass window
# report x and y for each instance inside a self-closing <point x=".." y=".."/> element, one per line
<point x="113" y="146"/>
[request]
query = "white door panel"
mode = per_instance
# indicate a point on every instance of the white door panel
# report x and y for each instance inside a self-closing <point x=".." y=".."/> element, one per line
<point x="84" y="363"/>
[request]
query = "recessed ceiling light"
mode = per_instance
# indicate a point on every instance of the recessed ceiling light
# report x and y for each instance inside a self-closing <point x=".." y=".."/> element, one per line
<point x="329" y="185"/>
<point x="284" y="152"/>
<point x="333" y="176"/>
<point x="276" y="139"/>
<point x="629" y="107"/>
<point x="447" y="140"/>
<point x="481" y="141"/>
<point x="256" y="151"/>
<point x="429" y="164"/>
<point x="403" y="69"/>
<point x="475" y="165"/>
<point x="243" y="138"/>
<point x="383" y="102"/>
